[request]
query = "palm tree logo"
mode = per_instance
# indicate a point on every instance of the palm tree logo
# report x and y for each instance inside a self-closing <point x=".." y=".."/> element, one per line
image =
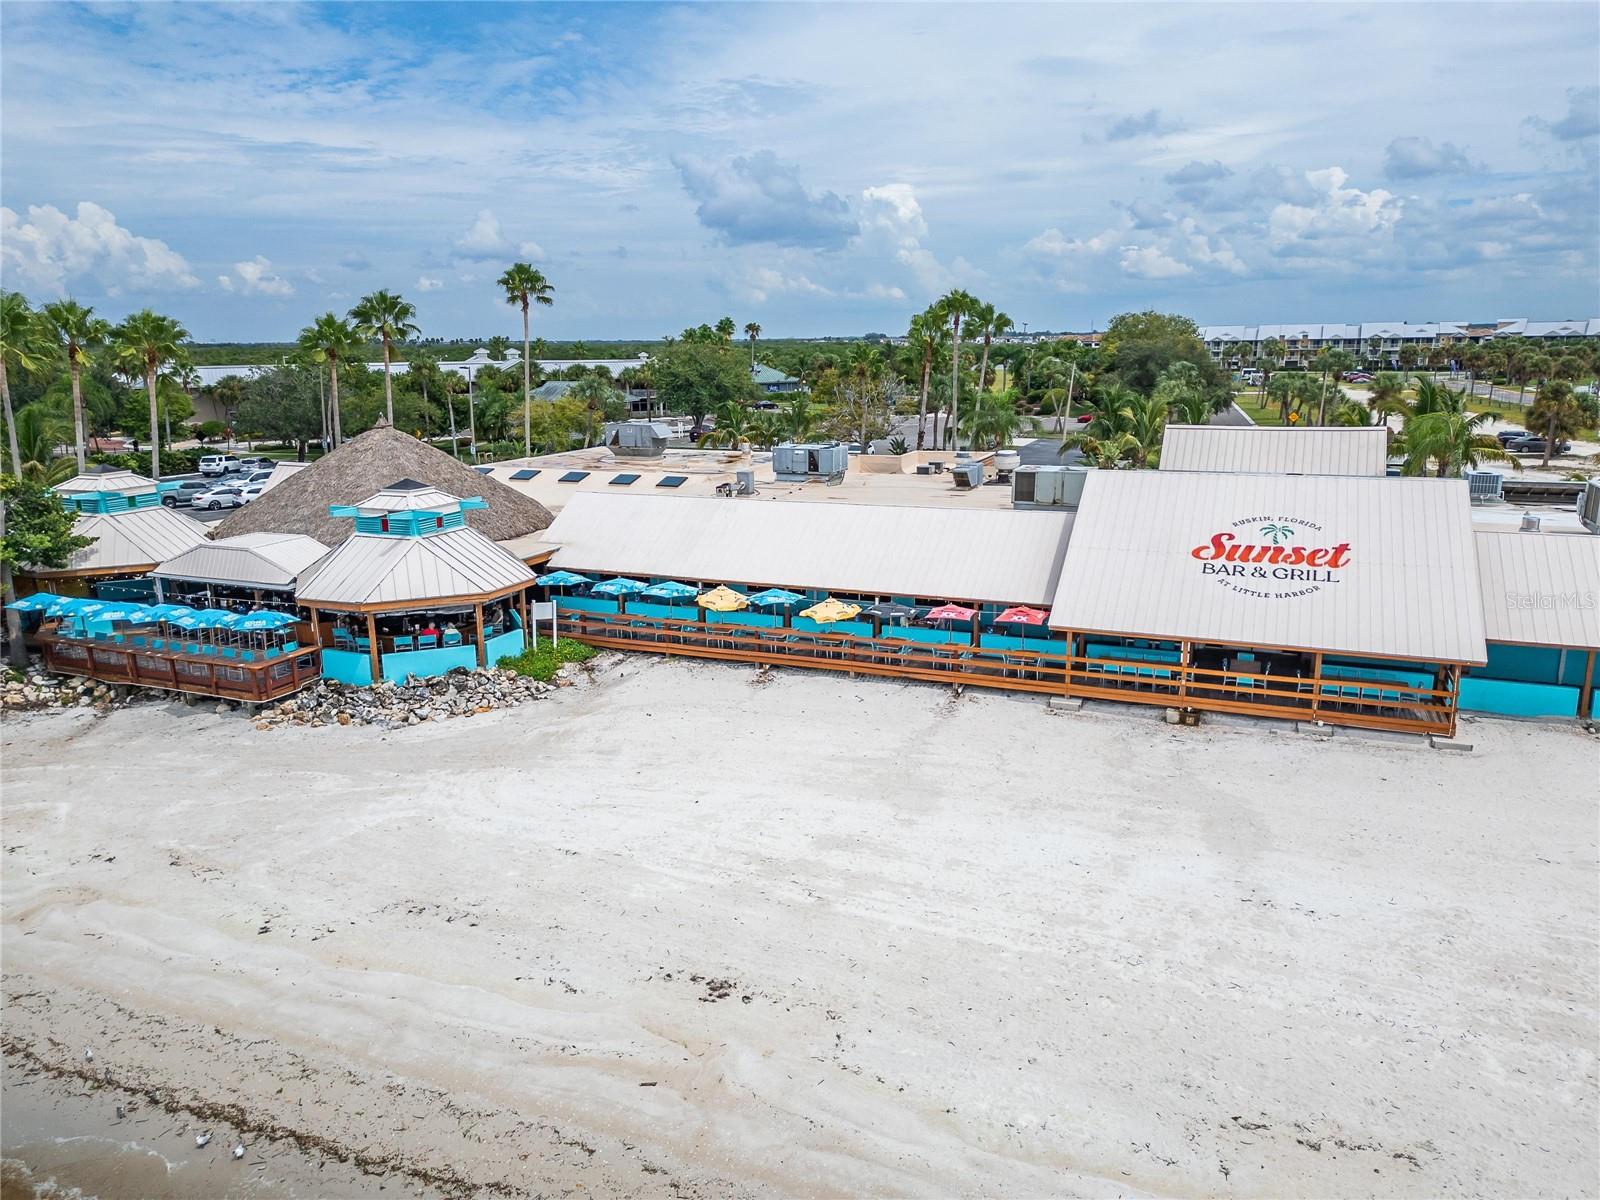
<point x="1276" y="533"/>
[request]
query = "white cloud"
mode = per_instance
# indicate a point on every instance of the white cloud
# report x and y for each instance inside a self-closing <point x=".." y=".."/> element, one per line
<point x="759" y="198"/>
<point x="531" y="251"/>
<point x="1147" y="262"/>
<point x="484" y="238"/>
<point x="427" y="283"/>
<point x="878" y="291"/>
<point x="1340" y="213"/>
<point x="892" y="213"/>
<point x="255" y="277"/>
<point x="763" y="283"/>
<point x="50" y="249"/>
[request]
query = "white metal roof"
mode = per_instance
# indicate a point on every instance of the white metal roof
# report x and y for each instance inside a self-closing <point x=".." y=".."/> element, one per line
<point x="270" y="560"/>
<point x="1540" y="589"/>
<point x="127" y="482"/>
<point x="406" y="495"/>
<point x="1001" y="555"/>
<point x="378" y="569"/>
<point x="135" y="539"/>
<point x="1324" y="450"/>
<point x="1405" y="584"/>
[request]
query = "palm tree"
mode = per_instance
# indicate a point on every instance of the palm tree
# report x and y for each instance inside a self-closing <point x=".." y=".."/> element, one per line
<point x="1451" y="440"/>
<point x="77" y="333"/>
<point x="1353" y="412"/>
<point x="25" y="342"/>
<point x="390" y="318"/>
<point x="1273" y="351"/>
<point x="39" y="430"/>
<point x="1556" y="412"/>
<point x="1388" y="390"/>
<point x="993" y="324"/>
<point x="1433" y="396"/>
<point x="994" y="421"/>
<point x="1332" y="363"/>
<point x="328" y="339"/>
<point x="733" y="425"/>
<point x="1181" y="389"/>
<point x="925" y="338"/>
<point x="725" y="328"/>
<point x="799" y="418"/>
<point x="752" y="331"/>
<point x="1126" y="427"/>
<point x="953" y="307"/>
<point x="524" y="287"/>
<point x="143" y="344"/>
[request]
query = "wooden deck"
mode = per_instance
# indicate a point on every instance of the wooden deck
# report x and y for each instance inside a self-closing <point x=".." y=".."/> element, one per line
<point x="1371" y="704"/>
<point x="193" y="674"/>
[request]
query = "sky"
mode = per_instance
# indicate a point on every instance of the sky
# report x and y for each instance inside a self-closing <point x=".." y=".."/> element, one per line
<point x="815" y="169"/>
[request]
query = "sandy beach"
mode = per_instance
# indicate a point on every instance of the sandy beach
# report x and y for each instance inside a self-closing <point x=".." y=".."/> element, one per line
<point x="683" y="930"/>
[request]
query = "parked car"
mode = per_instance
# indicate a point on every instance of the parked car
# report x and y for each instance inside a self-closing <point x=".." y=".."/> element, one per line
<point x="1507" y="436"/>
<point x="257" y="463"/>
<point x="1358" y="377"/>
<point x="1534" y="444"/>
<point x="250" y="491"/>
<point x="218" y="464"/>
<point x="222" y="496"/>
<point x="186" y="491"/>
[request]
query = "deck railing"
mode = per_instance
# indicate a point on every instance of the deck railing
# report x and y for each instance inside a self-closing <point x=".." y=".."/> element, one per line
<point x="196" y="674"/>
<point x="1378" y="702"/>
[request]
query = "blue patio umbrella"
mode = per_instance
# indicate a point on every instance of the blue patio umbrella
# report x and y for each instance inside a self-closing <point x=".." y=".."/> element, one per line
<point x="217" y="618"/>
<point x="123" y="612"/>
<point x="74" y="605"/>
<point x="562" y="579"/>
<point x="259" y="621"/>
<point x="620" y="586"/>
<point x="166" y="612"/>
<point x="670" y="589"/>
<point x="775" y="598"/>
<point x="38" y="602"/>
<point x="188" y="620"/>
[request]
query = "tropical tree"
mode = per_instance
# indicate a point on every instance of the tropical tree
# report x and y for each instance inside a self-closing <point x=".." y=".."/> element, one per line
<point x="953" y="308"/>
<point x="77" y="333"/>
<point x="24" y="342"/>
<point x="725" y="329"/>
<point x="1332" y="364"/>
<point x="1127" y="428"/>
<point x="1431" y="396"/>
<point x="1353" y="412"/>
<point x="1387" y="391"/>
<point x="35" y="531"/>
<point x="1556" y="413"/>
<point x="524" y="286"/>
<point x="389" y="318"/>
<point x="925" y="339"/>
<point x="1181" y="390"/>
<point x="732" y="426"/>
<point x="994" y="420"/>
<point x="329" y="339"/>
<point x="991" y="324"/>
<point x="1450" y="440"/>
<point x="143" y="345"/>
<point x="40" y="429"/>
<point x="1273" y="352"/>
<point x="799" y="418"/>
<point x="752" y="331"/>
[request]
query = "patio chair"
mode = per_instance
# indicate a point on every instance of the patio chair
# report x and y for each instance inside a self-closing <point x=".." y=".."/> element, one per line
<point x="427" y="641"/>
<point x="490" y="631"/>
<point x="158" y="643"/>
<point x="406" y="642"/>
<point x="290" y="646"/>
<point x="273" y="651"/>
<point x="363" y="645"/>
<point x="247" y="656"/>
<point x="452" y="637"/>
<point x="230" y="652"/>
<point x="342" y="639"/>
<point x="139" y="641"/>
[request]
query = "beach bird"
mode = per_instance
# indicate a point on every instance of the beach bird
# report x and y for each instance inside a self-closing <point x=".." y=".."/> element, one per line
<point x="89" y="1055"/>
<point x="200" y="1139"/>
<point x="238" y="1151"/>
<point x="122" y="1113"/>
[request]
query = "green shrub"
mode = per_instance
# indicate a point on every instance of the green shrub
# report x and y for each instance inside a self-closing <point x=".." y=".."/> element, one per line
<point x="173" y="462"/>
<point x="543" y="663"/>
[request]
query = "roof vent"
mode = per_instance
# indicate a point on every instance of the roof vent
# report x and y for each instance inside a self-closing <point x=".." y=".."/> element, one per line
<point x="1530" y="522"/>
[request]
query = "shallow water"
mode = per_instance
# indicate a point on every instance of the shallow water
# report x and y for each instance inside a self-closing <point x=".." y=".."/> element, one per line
<point x="64" y="1141"/>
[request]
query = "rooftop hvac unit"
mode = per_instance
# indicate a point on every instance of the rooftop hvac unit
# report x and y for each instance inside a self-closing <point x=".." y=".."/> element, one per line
<point x="638" y="439"/>
<point x="1024" y="485"/>
<point x="1530" y="522"/>
<point x="799" y="462"/>
<point x="1044" y="487"/>
<point x="1072" y="480"/>
<point x="1485" y="487"/>
<point x="968" y="475"/>
<point x="1589" y="506"/>
<point x="1006" y="461"/>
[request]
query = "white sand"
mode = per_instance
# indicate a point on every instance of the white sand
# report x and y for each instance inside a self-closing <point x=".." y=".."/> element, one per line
<point x="970" y="946"/>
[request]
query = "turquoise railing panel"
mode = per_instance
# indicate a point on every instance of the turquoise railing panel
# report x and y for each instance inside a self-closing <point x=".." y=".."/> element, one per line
<point x="1512" y="698"/>
<point x="425" y="664"/>
<point x="745" y="617"/>
<point x="505" y="645"/>
<point x="347" y="666"/>
<point x="1526" y="664"/>
<point x="586" y="604"/>
<point x="917" y="633"/>
<point x="670" y="612"/>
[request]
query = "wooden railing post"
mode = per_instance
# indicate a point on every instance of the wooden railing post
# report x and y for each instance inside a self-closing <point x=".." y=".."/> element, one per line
<point x="1316" y="686"/>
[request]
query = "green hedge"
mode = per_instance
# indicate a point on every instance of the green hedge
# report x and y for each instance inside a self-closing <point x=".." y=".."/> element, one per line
<point x="173" y="462"/>
<point x="543" y="663"/>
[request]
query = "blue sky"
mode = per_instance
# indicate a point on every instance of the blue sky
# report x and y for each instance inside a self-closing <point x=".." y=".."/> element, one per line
<point x="818" y="169"/>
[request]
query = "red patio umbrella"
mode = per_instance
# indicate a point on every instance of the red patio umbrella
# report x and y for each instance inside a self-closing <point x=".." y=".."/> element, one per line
<point x="1021" y="614"/>
<point x="950" y="612"/>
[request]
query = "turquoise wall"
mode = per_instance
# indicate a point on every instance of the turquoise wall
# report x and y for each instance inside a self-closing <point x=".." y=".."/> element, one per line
<point x="1513" y="698"/>
<point x="347" y="666"/>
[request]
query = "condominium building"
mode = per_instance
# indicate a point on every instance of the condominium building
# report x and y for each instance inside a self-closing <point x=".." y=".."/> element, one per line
<point x="1382" y="340"/>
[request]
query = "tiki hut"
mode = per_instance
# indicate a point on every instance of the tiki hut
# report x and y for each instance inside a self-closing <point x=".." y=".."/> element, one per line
<point x="368" y="464"/>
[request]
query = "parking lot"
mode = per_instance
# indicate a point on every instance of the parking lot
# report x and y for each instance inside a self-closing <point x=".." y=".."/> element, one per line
<point x="193" y="484"/>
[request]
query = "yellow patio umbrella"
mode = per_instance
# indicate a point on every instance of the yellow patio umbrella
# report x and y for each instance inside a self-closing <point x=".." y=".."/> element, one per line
<point x="722" y="599"/>
<point x="830" y="610"/>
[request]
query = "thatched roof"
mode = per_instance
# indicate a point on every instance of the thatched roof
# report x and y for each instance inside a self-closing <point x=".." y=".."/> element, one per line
<point x="368" y="464"/>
